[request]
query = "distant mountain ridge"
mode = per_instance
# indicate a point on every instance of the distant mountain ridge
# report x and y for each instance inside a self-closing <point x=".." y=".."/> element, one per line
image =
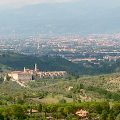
<point x="84" y="17"/>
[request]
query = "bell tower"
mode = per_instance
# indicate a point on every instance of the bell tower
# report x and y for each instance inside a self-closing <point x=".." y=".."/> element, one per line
<point x="35" y="67"/>
<point x="24" y="69"/>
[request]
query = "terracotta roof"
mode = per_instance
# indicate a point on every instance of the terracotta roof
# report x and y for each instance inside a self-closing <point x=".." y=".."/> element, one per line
<point x="19" y="72"/>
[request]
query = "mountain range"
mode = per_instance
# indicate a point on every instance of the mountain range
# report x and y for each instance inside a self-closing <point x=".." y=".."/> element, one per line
<point x="84" y="17"/>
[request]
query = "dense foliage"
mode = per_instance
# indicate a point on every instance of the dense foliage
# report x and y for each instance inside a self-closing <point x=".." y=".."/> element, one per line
<point x="47" y="63"/>
<point x="97" y="111"/>
<point x="61" y="98"/>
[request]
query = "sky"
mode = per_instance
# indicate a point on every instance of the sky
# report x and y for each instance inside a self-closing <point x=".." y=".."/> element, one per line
<point x="21" y="3"/>
<point x="4" y="4"/>
<point x="84" y="16"/>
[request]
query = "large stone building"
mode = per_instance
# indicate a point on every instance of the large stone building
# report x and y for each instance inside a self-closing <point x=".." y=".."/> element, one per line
<point x="27" y="74"/>
<point x="20" y="76"/>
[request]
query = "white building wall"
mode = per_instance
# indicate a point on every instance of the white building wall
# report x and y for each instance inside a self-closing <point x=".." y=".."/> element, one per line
<point x="14" y="76"/>
<point x="25" y="77"/>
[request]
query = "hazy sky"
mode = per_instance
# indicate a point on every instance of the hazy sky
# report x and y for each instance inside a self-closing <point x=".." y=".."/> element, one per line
<point x="85" y="16"/>
<point x="20" y="3"/>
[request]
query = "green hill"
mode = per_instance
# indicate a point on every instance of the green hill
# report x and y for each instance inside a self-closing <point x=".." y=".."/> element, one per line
<point x="97" y="88"/>
<point x="84" y="88"/>
<point x="45" y="63"/>
<point x="96" y="94"/>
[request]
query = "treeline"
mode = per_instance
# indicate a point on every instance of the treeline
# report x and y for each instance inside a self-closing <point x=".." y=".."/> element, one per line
<point x="105" y="93"/>
<point x="102" y="92"/>
<point x="46" y="63"/>
<point x="37" y="111"/>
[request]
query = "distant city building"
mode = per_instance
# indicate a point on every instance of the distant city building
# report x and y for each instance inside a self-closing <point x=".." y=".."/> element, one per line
<point x="28" y="75"/>
<point x="110" y="58"/>
<point x="83" y="59"/>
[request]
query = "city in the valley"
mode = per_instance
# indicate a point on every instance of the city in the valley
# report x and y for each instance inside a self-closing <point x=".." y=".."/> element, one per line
<point x="73" y="47"/>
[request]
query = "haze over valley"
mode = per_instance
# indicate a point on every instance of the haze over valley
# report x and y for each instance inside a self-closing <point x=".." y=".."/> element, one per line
<point x="80" y="16"/>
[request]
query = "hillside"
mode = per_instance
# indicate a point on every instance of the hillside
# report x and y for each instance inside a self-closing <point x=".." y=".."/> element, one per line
<point x="89" y="88"/>
<point x="13" y="61"/>
<point x="99" y="95"/>
<point x="82" y="89"/>
<point x="45" y="63"/>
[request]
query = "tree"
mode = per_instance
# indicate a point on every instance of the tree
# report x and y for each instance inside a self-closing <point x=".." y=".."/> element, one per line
<point x="103" y="115"/>
<point x="20" y="101"/>
<point x="105" y="106"/>
<point x="62" y="101"/>
<point x="95" y="107"/>
<point x="44" y="109"/>
<point x="8" y="77"/>
<point x="116" y="108"/>
<point x="40" y="108"/>
<point x="1" y="80"/>
<point x="18" y="112"/>
<point x="60" y="111"/>
<point x="1" y="115"/>
<point x="66" y="110"/>
<point x="7" y="113"/>
<point x="118" y="117"/>
<point x="71" y="117"/>
<point x="110" y="116"/>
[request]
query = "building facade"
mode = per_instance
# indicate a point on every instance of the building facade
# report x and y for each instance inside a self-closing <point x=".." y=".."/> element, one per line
<point x="28" y="75"/>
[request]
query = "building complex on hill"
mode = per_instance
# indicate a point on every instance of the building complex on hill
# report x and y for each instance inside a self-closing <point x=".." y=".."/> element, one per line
<point x="28" y="75"/>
